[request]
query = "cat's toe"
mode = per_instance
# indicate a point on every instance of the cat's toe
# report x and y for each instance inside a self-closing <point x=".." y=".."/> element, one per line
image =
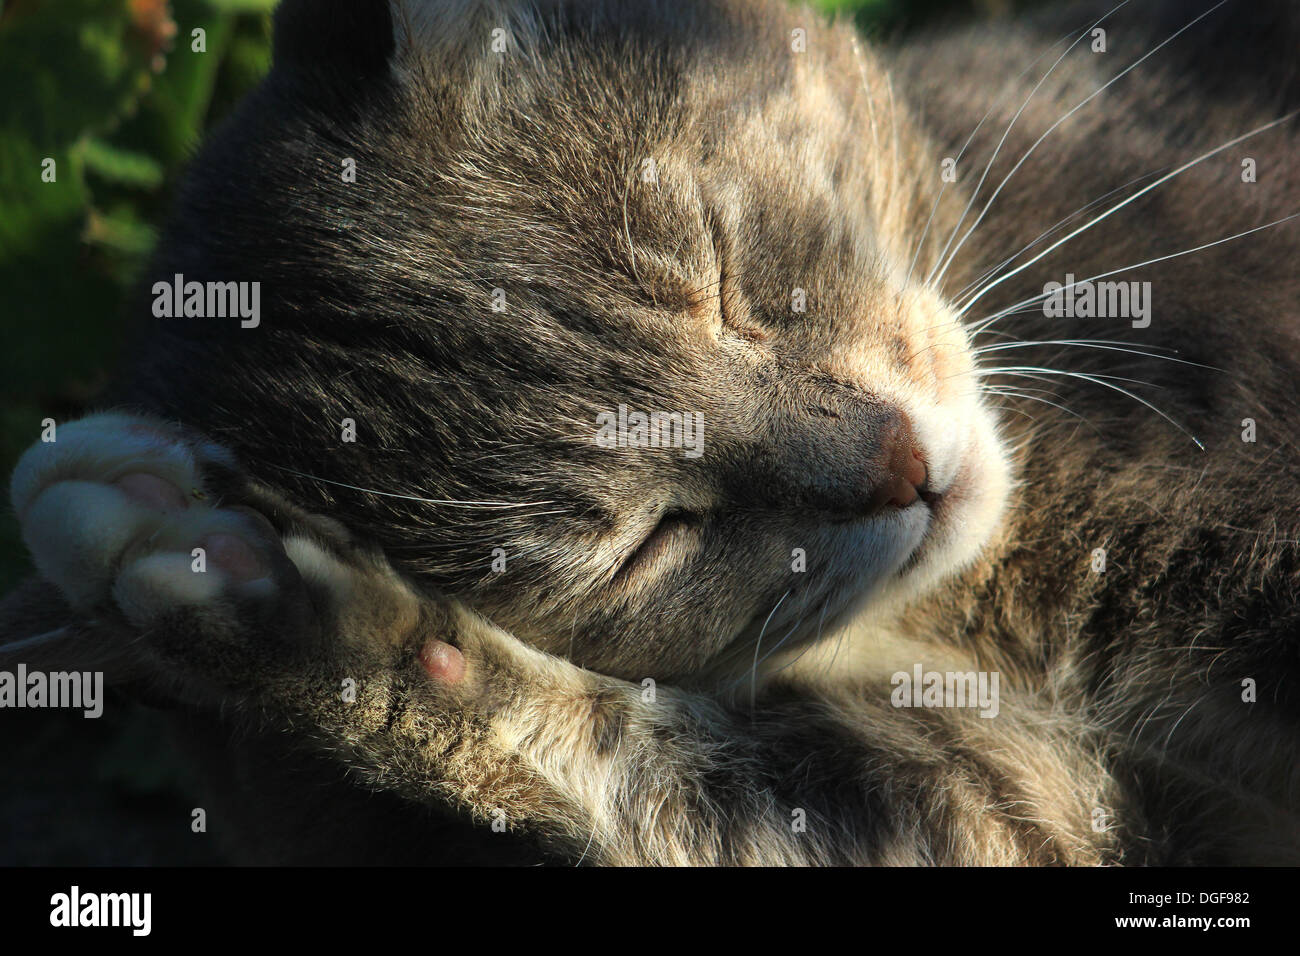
<point x="113" y="446"/>
<point x="203" y="558"/>
<point x="115" y="510"/>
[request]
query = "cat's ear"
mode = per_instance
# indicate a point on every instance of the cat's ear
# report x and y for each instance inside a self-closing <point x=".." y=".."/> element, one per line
<point x="335" y="38"/>
<point x="448" y="32"/>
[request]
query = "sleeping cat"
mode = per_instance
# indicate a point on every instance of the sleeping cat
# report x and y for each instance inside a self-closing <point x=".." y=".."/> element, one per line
<point x="418" y="554"/>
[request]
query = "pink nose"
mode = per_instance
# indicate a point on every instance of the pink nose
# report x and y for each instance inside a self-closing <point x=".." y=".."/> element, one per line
<point x="905" y="472"/>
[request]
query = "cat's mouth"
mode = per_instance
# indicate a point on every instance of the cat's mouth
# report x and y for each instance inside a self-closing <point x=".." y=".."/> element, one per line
<point x="940" y="505"/>
<point x="941" y="500"/>
<point x="885" y="559"/>
<point x="967" y="488"/>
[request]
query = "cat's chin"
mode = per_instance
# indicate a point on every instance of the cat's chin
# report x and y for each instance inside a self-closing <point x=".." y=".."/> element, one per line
<point x="893" y="560"/>
<point x="970" y="482"/>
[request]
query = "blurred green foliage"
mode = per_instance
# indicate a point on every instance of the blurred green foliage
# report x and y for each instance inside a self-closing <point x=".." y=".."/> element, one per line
<point x="104" y="102"/>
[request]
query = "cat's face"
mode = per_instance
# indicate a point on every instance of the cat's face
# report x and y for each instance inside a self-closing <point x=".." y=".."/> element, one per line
<point x="570" y="233"/>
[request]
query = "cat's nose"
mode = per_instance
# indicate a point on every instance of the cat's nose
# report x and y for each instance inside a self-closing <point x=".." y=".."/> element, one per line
<point x="904" y="476"/>
<point x="859" y="461"/>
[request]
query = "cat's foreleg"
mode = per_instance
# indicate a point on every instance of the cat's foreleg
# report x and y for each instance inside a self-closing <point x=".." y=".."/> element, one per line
<point x="282" y="615"/>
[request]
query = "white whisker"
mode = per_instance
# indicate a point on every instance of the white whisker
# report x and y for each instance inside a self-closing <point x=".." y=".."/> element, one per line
<point x="1025" y="395"/>
<point x="753" y="686"/>
<point x="1101" y="344"/>
<point x="1120" y="205"/>
<point x="944" y="263"/>
<point x="962" y="152"/>
<point x="941" y="265"/>
<point x="990" y="272"/>
<point x="1076" y="108"/>
<point x="1107" y="381"/>
<point x="428" y="501"/>
<point x="1103" y="275"/>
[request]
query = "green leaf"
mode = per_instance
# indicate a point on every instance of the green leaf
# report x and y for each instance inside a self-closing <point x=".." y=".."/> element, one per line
<point x="243" y="6"/>
<point x="69" y="66"/>
<point x="118" y="165"/>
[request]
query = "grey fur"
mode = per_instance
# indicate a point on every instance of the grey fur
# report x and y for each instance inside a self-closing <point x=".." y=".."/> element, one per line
<point x="1122" y="691"/>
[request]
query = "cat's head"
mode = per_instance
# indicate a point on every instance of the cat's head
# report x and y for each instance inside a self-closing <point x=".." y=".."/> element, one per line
<point x="519" y="243"/>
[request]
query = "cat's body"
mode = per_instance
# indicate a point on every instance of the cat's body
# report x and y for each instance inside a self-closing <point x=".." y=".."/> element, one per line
<point x="1122" y="733"/>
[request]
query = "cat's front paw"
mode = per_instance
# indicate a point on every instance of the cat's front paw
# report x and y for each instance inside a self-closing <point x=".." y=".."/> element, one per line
<point x="118" y="510"/>
<point x="153" y="534"/>
<point x="136" y="524"/>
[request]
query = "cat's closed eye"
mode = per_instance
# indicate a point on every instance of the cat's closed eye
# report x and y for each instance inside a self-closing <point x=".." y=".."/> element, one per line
<point x="675" y="535"/>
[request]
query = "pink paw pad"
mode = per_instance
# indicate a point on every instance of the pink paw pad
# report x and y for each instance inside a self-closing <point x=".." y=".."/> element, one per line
<point x="152" y="492"/>
<point x="442" y="662"/>
<point x="234" y="557"/>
